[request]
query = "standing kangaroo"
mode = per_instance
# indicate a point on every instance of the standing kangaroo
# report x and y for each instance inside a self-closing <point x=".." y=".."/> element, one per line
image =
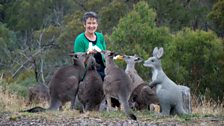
<point x="169" y="94"/>
<point x="116" y="84"/>
<point x="131" y="71"/>
<point x="142" y="95"/>
<point x="90" y="92"/>
<point x="63" y="86"/>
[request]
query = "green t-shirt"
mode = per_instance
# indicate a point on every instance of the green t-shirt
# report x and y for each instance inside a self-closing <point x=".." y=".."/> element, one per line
<point x="81" y="43"/>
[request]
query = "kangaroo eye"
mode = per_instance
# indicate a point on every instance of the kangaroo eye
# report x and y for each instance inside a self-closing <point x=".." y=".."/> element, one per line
<point x="153" y="60"/>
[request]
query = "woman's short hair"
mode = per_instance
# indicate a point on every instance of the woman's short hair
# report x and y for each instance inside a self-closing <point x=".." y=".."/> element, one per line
<point x="89" y="14"/>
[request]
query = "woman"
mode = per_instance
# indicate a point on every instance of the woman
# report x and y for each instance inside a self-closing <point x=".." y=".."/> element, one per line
<point x="91" y="41"/>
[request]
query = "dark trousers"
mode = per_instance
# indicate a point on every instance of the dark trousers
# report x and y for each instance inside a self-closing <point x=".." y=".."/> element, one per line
<point x="101" y="72"/>
<point x="100" y="65"/>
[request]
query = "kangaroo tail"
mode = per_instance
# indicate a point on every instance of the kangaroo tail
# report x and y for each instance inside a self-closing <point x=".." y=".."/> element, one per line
<point x="34" y="110"/>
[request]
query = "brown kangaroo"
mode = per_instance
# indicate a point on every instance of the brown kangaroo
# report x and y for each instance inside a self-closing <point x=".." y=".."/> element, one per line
<point x="63" y="86"/>
<point x="90" y="92"/>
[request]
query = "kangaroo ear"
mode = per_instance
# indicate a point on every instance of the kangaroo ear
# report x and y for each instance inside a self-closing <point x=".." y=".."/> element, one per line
<point x="136" y="56"/>
<point x="160" y="53"/>
<point x="155" y="51"/>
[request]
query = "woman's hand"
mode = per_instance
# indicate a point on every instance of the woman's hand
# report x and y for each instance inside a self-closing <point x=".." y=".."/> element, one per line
<point x="91" y="51"/>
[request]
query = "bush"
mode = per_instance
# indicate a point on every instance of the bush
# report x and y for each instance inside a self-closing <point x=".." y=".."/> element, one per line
<point x="195" y="58"/>
<point x="22" y="83"/>
<point x="137" y="33"/>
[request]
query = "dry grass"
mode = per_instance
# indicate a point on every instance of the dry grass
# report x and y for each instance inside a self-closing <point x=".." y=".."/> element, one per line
<point x="207" y="107"/>
<point x="12" y="103"/>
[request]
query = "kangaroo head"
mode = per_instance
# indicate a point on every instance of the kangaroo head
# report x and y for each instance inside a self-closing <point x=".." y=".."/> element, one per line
<point x="154" y="61"/>
<point x="90" y="62"/>
<point x="78" y="57"/>
<point x="132" y="59"/>
<point x="108" y="53"/>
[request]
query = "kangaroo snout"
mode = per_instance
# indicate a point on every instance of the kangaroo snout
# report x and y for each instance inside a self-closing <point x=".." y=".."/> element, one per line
<point x="146" y="64"/>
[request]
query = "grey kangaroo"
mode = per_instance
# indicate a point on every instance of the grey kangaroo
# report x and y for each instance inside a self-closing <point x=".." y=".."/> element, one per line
<point x="131" y="71"/>
<point x="90" y="92"/>
<point x="116" y="84"/>
<point x="63" y="86"/>
<point x="168" y="92"/>
<point x="142" y="95"/>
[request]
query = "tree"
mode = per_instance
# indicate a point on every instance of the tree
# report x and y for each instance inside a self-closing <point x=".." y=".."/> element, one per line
<point x="111" y="14"/>
<point x="7" y="48"/>
<point x="217" y="17"/>
<point x="136" y="33"/>
<point x="138" y="28"/>
<point x="177" y="14"/>
<point x="195" y="58"/>
<point x="26" y="14"/>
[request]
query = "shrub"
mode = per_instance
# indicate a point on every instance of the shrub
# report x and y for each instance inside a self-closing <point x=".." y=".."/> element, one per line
<point x="196" y="59"/>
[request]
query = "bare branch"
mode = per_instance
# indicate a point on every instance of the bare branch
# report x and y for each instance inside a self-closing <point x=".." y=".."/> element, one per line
<point x="41" y="71"/>
<point x="28" y="60"/>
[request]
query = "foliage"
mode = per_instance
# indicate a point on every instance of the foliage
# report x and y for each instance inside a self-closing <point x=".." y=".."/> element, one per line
<point x="8" y="44"/>
<point x="111" y="14"/>
<point x="195" y="59"/>
<point x="73" y="27"/>
<point x="217" y="16"/>
<point x="137" y="33"/>
<point x="177" y="14"/>
<point x="27" y="14"/>
<point x="38" y="35"/>
<point x="21" y="84"/>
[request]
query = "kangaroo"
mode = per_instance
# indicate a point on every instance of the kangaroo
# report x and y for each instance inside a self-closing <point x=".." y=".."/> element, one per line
<point x="90" y="92"/>
<point x="168" y="92"/>
<point x="63" y="86"/>
<point x="116" y="84"/>
<point x="131" y="71"/>
<point x="38" y="93"/>
<point x="142" y="95"/>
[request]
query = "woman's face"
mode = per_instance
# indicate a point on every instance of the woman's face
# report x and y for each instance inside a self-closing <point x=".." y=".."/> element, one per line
<point x="91" y="25"/>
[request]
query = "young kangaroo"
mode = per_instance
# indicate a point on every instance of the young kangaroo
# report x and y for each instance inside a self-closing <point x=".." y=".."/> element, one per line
<point x="169" y="94"/>
<point x="116" y="84"/>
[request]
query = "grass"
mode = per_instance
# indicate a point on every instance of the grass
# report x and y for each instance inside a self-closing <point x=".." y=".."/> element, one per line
<point x="207" y="107"/>
<point x="10" y="102"/>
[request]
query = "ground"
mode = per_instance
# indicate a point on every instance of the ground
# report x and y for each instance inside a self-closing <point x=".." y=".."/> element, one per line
<point x="74" y="118"/>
